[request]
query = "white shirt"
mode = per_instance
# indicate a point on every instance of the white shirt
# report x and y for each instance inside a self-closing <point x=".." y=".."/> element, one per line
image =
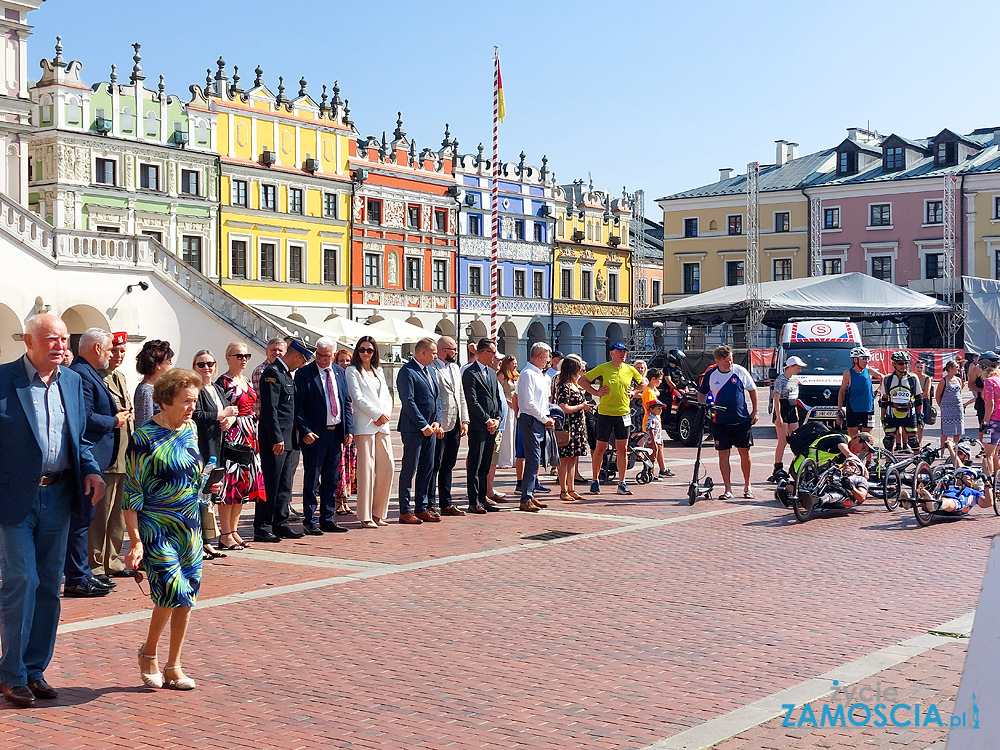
<point x="533" y="393"/>
<point x="331" y="421"/>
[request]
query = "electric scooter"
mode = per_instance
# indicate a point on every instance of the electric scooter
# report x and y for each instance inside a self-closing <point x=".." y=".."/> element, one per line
<point x="701" y="484"/>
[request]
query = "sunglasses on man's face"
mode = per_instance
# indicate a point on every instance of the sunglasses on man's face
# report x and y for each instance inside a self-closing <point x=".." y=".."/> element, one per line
<point x="244" y="357"/>
<point x="204" y="364"/>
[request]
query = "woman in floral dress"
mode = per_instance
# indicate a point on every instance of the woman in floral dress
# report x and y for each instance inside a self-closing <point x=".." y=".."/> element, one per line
<point x="348" y="484"/>
<point x="244" y="482"/>
<point x="569" y="397"/>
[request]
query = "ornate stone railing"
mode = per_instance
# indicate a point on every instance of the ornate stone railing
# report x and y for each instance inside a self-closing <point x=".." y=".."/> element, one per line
<point x="517" y="250"/>
<point x="98" y="250"/>
<point x="508" y="305"/>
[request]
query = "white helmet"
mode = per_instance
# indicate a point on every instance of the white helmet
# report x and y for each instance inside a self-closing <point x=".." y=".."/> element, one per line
<point x="860" y="351"/>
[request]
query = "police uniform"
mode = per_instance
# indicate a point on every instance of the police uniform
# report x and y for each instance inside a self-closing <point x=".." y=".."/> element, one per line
<point x="277" y="425"/>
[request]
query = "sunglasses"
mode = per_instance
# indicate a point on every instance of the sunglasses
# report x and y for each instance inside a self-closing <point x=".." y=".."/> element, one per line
<point x="366" y="350"/>
<point x="244" y="357"/>
<point x="204" y="364"/>
<point x="138" y="578"/>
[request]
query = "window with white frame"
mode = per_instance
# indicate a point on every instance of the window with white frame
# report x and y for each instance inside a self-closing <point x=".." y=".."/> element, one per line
<point x="414" y="273"/>
<point x="656" y="286"/>
<point x="537" y="284"/>
<point x="104" y="171"/>
<point x="934" y="213"/>
<point x="238" y="259"/>
<point x="782" y="221"/>
<point x="933" y="266"/>
<point x="520" y="283"/>
<point x="612" y="286"/>
<point x="734" y="272"/>
<point x="439" y="270"/>
<point x="294" y="200"/>
<point x="295" y="253"/>
<point x="149" y="176"/>
<point x="881" y="266"/>
<point x="566" y="283"/>
<point x="691" y="273"/>
<point x="475" y="280"/>
<point x="782" y="269"/>
<point x="269" y="197"/>
<point x="476" y="225"/>
<point x="268" y="257"/>
<point x="586" y="284"/>
<point x="831" y="218"/>
<point x="880" y="215"/>
<point x="832" y="266"/>
<point x="191" y="251"/>
<point x="330" y="205"/>
<point x="189" y="181"/>
<point x="735" y="224"/>
<point x="330" y="266"/>
<point x="239" y="193"/>
<point x="373" y="270"/>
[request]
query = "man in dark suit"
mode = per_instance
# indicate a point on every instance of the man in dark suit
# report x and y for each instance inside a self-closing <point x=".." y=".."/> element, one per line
<point x="325" y="425"/>
<point x="47" y="469"/>
<point x="279" y="445"/>
<point x="103" y="417"/>
<point x="420" y="425"/>
<point x="482" y="394"/>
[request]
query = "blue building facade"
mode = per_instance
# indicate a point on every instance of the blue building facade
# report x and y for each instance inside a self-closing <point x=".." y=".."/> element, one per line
<point x="527" y="214"/>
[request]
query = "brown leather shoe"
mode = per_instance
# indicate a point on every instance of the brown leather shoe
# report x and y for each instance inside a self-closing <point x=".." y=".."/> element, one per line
<point x="539" y="503"/>
<point x="434" y="512"/>
<point x="498" y="497"/>
<point x="451" y="510"/>
<point x="42" y="690"/>
<point x="426" y="515"/>
<point x="478" y="509"/>
<point x="409" y="518"/>
<point x="528" y="507"/>
<point x="19" y="695"/>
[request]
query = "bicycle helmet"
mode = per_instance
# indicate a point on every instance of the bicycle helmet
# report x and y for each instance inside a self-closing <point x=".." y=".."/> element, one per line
<point x="901" y="356"/>
<point x="853" y="466"/>
<point x="675" y="356"/>
<point x="860" y="351"/>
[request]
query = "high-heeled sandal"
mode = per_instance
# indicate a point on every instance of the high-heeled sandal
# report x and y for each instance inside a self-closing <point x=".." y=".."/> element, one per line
<point x="174" y="683"/>
<point x="153" y="679"/>
<point x="234" y="546"/>
<point x="369" y="524"/>
<point x="380" y="522"/>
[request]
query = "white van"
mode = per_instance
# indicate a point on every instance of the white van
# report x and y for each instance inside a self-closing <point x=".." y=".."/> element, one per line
<point x="825" y="346"/>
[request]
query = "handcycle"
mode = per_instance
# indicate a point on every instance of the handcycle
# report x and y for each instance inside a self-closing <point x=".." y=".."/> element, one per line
<point x="821" y="488"/>
<point x="898" y="474"/>
<point x="936" y="480"/>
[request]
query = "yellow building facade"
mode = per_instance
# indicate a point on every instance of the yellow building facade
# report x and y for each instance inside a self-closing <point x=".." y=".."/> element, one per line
<point x="285" y="193"/>
<point x="592" y="271"/>
<point x="704" y="240"/>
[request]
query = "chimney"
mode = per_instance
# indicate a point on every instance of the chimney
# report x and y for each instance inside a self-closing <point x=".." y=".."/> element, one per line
<point x="779" y="153"/>
<point x="793" y="151"/>
<point x="725" y="173"/>
<point x="852" y="133"/>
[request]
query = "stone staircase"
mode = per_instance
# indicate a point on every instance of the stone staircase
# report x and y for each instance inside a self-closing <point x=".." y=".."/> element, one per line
<point x="64" y="248"/>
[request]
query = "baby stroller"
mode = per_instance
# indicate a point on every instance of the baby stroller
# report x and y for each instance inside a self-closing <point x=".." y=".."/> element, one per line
<point x="636" y="454"/>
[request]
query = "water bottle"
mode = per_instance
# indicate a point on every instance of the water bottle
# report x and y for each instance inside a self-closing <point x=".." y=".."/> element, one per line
<point x="205" y="474"/>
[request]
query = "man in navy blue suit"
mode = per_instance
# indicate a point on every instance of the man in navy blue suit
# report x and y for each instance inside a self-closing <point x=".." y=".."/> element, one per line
<point x="325" y="423"/>
<point x="420" y="425"/>
<point x="47" y="468"/>
<point x="103" y="417"/>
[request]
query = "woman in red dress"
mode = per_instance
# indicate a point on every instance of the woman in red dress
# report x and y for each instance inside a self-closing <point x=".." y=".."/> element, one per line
<point x="244" y="482"/>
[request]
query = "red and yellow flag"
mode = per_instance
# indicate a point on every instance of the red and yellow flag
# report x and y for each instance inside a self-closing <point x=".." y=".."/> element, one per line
<point x="501" y="109"/>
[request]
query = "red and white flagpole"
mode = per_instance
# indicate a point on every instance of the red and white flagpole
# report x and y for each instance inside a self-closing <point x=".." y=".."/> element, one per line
<point x="494" y="197"/>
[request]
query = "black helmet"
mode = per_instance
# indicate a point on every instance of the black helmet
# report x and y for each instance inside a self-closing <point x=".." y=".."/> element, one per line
<point x="674" y="356"/>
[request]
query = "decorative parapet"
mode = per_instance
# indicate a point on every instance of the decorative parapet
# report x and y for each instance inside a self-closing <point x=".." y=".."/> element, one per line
<point x="407" y="300"/>
<point x="531" y="252"/>
<point x="591" y="309"/>
<point x="507" y="305"/>
<point x="93" y="250"/>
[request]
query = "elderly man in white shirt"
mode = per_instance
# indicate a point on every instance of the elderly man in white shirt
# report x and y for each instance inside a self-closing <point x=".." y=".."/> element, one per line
<point x="533" y="390"/>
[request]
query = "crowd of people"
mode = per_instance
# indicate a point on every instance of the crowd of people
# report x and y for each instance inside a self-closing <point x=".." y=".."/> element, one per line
<point x="172" y="465"/>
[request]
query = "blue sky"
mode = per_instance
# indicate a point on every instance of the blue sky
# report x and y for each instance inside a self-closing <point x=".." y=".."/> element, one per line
<point x="651" y="95"/>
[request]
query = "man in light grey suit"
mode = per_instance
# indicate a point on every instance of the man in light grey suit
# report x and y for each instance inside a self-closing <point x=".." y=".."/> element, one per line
<point x="454" y="422"/>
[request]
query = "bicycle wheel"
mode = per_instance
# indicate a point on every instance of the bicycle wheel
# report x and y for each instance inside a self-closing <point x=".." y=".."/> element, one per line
<point x="878" y="462"/>
<point x="922" y="479"/>
<point x="892" y="484"/>
<point x="806" y="482"/>
<point x="996" y="492"/>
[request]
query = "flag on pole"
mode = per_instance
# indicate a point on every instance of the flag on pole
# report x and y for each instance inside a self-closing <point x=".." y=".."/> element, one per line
<point x="501" y="110"/>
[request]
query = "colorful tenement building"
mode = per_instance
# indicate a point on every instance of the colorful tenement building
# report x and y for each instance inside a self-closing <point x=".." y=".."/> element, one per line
<point x="593" y="270"/>
<point x="881" y="212"/>
<point x="404" y="227"/>
<point x="527" y="219"/>
<point x="285" y="194"/>
<point x="121" y="158"/>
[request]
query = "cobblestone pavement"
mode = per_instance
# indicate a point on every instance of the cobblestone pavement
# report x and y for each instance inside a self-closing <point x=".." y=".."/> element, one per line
<point x="651" y="619"/>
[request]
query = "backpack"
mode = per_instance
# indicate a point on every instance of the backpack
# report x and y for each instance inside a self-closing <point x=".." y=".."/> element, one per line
<point x="800" y="440"/>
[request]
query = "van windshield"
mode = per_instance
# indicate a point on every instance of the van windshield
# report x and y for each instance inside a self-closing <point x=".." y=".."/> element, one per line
<point x="821" y="360"/>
